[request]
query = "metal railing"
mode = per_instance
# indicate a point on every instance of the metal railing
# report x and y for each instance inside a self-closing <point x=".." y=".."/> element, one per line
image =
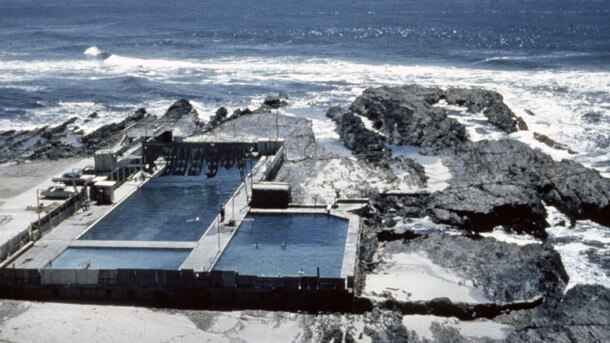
<point x="123" y="173"/>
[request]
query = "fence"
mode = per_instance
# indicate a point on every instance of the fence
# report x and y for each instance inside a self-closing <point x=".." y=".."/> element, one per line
<point x="123" y="173"/>
<point x="38" y="228"/>
<point x="14" y="244"/>
<point x="59" y="214"/>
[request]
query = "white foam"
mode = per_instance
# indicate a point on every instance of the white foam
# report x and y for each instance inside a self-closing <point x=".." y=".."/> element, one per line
<point x="501" y="235"/>
<point x="573" y="243"/>
<point x="559" y="98"/>
<point x="92" y="51"/>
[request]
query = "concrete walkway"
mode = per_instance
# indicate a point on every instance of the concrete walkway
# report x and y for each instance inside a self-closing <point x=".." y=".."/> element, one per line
<point x="218" y="235"/>
<point x="133" y="244"/>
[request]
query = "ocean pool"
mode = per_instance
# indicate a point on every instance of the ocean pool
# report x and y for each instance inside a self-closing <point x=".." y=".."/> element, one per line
<point x="115" y="258"/>
<point x="311" y="241"/>
<point x="168" y="208"/>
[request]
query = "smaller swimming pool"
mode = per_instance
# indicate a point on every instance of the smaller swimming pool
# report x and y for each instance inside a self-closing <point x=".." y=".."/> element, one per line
<point x="115" y="258"/>
<point x="283" y="244"/>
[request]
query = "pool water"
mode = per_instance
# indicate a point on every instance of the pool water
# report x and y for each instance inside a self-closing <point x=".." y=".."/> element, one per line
<point x="115" y="258"/>
<point x="168" y="208"/>
<point x="312" y="240"/>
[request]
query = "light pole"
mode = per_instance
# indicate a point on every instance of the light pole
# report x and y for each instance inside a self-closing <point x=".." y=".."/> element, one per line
<point x="233" y="208"/>
<point x="218" y="226"/>
<point x="38" y="212"/>
<point x="74" y="180"/>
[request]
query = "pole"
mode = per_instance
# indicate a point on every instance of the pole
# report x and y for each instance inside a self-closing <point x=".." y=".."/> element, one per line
<point x="74" y="180"/>
<point x="38" y="211"/>
<point x="233" y="208"/>
<point x="218" y="226"/>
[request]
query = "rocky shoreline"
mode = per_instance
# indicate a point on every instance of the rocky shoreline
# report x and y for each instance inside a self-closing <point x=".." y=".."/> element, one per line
<point x="494" y="184"/>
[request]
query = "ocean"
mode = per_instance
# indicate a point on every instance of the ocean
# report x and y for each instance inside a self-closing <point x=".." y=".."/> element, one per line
<point x="61" y="59"/>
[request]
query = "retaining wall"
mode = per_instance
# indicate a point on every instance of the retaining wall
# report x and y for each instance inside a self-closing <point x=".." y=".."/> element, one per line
<point x="179" y="288"/>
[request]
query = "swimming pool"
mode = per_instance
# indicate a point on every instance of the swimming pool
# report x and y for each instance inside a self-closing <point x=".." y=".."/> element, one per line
<point x="283" y="244"/>
<point x="114" y="258"/>
<point x="168" y="208"/>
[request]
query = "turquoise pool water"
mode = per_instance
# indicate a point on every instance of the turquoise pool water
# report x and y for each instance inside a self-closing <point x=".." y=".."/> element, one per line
<point x="114" y="258"/>
<point x="311" y="241"/>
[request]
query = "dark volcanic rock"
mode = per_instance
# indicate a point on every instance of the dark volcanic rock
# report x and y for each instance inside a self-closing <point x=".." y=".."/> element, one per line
<point x="551" y="143"/>
<point x="491" y="103"/>
<point x="139" y="114"/>
<point x="506" y="272"/>
<point x="582" y="315"/>
<point x="356" y="137"/>
<point x="504" y="183"/>
<point x="178" y="110"/>
<point x="406" y="116"/>
<point x="276" y="101"/>
<point x="239" y="112"/>
<point x="218" y="118"/>
<point x="385" y="326"/>
<point x="109" y="134"/>
<point x="481" y="207"/>
<point x="494" y="183"/>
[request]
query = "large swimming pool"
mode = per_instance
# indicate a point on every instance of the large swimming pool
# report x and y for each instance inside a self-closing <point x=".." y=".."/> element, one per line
<point x="283" y="244"/>
<point x="168" y="208"/>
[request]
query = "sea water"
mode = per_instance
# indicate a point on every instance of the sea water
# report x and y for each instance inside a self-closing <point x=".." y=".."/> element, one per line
<point x="285" y="244"/>
<point x="114" y="258"/>
<point x="168" y="208"/>
<point x="60" y="59"/>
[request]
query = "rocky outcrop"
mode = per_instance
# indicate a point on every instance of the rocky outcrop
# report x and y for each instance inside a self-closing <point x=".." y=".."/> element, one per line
<point x="494" y="182"/>
<point x="506" y="272"/>
<point x="357" y="137"/>
<point x="276" y="101"/>
<point x="505" y="182"/>
<point x="178" y="110"/>
<point x="581" y="316"/>
<point x="490" y="102"/>
<point x="67" y="139"/>
<point x="551" y="143"/>
<point x="218" y="118"/>
<point x="405" y="115"/>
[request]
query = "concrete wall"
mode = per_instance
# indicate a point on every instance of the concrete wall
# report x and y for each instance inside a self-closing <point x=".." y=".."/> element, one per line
<point x="185" y="288"/>
<point x="275" y="164"/>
